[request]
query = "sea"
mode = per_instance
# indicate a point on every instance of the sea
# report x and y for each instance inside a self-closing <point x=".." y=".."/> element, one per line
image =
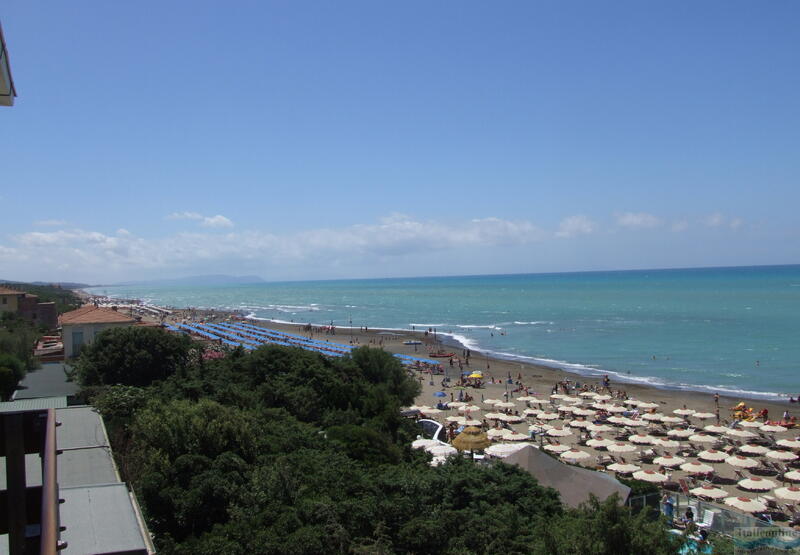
<point x="729" y="330"/>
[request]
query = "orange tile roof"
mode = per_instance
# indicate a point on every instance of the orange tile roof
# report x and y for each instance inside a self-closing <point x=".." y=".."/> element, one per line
<point x="90" y="314"/>
<point x="9" y="291"/>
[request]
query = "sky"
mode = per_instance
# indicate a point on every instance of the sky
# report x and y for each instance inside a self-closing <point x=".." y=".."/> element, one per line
<point x="321" y="140"/>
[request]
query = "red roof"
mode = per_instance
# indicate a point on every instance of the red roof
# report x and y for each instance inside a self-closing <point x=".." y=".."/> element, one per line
<point x="90" y="314"/>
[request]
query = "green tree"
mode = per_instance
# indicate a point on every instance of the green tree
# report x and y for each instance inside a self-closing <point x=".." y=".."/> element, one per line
<point x="12" y="370"/>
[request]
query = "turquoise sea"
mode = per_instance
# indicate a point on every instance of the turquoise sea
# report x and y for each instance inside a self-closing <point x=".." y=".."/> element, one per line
<point x="733" y="330"/>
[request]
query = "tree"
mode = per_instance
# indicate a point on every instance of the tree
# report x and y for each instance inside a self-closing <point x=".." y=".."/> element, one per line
<point x="133" y="355"/>
<point x="12" y="370"/>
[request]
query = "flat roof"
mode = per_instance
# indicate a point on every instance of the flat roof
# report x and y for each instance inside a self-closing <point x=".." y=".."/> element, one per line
<point x="34" y="404"/>
<point x="48" y="381"/>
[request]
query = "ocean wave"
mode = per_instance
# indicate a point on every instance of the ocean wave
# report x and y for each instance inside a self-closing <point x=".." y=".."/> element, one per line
<point x="534" y="323"/>
<point x="429" y="325"/>
<point x="467" y="327"/>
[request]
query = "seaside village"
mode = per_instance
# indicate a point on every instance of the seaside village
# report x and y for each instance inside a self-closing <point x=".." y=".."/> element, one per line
<point x="714" y="468"/>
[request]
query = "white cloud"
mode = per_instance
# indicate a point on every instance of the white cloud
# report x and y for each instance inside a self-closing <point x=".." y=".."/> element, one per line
<point x="638" y="220"/>
<point x="575" y="225"/>
<point x="720" y="220"/>
<point x="735" y="223"/>
<point x="205" y="221"/>
<point x="680" y="225"/>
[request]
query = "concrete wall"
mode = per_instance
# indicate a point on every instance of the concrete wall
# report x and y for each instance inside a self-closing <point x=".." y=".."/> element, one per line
<point x="90" y="331"/>
<point x="9" y="303"/>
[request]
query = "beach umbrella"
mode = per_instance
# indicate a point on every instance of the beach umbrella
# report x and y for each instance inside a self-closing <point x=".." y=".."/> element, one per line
<point x="504" y="405"/>
<point x="456" y="419"/>
<point x="666" y="443"/>
<point x="602" y="397"/>
<point x="653" y="416"/>
<point x="714" y="429"/>
<point x="703" y="415"/>
<point x="414" y="407"/>
<point x="428" y="411"/>
<point x="574" y="455"/>
<point x="495" y="433"/>
<point x="781" y="455"/>
<point x="702" y="438"/>
<point x="619" y="420"/>
<point x="511" y="418"/>
<point x="746" y="504"/>
<point x="491" y="401"/>
<point x="615" y="409"/>
<point x="641" y="438"/>
<point x="790" y="493"/>
<point x="423" y="443"/>
<point x="501" y="450"/>
<point x="709" y="491"/>
<point x="772" y="428"/>
<point x="669" y="461"/>
<point x="471" y="439"/>
<point x="530" y="412"/>
<point x="752" y="449"/>
<point x="455" y="404"/>
<point x="437" y="461"/>
<point x="623" y="468"/>
<point x="599" y="442"/>
<point x="558" y="396"/>
<point x="650" y="476"/>
<point x="544" y="415"/>
<point x="756" y="484"/>
<point x="635" y="423"/>
<point x="632" y="402"/>
<point x="792" y="476"/>
<point x="695" y="467"/>
<point x="621" y="448"/>
<point x="647" y="405"/>
<point x="587" y="394"/>
<point x="469" y="408"/>
<point x="583" y="412"/>
<point x="557" y="448"/>
<point x="680" y="432"/>
<point x="511" y="435"/>
<point x="493" y="415"/>
<point x="599" y="428"/>
<point x="440" y="394"/>
<point x="790" y="443"/>
<point x="559" y="432"/>
<point x="750" y="424"/>
<point x="536" y="401"/>
<point x="712" y="456"/>
<point x="568" y="399"/>
<point x="741" y="462"/>
<point x="566" y="408"/>
<point x="683" y="412"/>
<point x="732" y="432"/>
<point x="579" y="423"/>
<point x="528" y="398"/>
<point x="672" y="420"/>
<point x="472" y="422"/>
<point x="441" y="450"/>
<point x="539" y="428"/>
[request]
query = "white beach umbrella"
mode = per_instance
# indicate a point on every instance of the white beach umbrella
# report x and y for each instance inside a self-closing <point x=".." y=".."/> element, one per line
<point x="429" y="411"/>
<point x="544" y="415"/>
<point x="504" y="405"/>
<point x="599" y="442"/>
<point x="650" y="476"/>
<point x="750" y="424"/>
<point x="537" y="401"/>
<point x="602" y="397"/>
<point x="792" y="476"/>
<point x="712" y="455"/>
<point x="619" y="420"/>
<point x="539" y="428"/>
<point x="574" y="455"/>
<point x="423" y="443"/>
<point x="790" y="443"/>
<point x="530" y="412"/>
<point x="653" y="416"/>
<point x="732" y="432"/>
<point x="566" y="408"/>
<point x="599" y="428"/>
<point x="528" y="398"/>
<point x="421" y="408"/>
<point x="472" y="422"/>
<point x="568" y="399"/>
<point x="512" y="418"/>
<point x="501" y="450"/>
<point x="559" y="432"/>
<point x="680" y="432"/>
<point x="511" y="435"/>
<point x="493" y="415"/>
<point x="492" y="401"/>
<point x="741" y="462"/>
<point x="615" y="409"/>
<point x="781" y="455"/>
<point x="635" y="423"/>
<point x="621" y="448"/>
<point x="752" y="449"/>
<point x="558" y="396"/>
<point x="790" y="493"/>
<point x="772" y="428"/>
<point x="672" y="420"/>
<point x="666" y="443"/>
<point x="623" y="468"/>
<point x="746" y="504"/>
<point x="456" y="419"/>
<point x="683" y="412"/>
<point x="755" y="483"/>
<point x="669" y="461"/>
<point x="632" y="402"/>
<point x="441" y="450"/>
<point x="703" y="415"/>
<point x="709" y="491"/>
<point x="557" y="448"/>
<point x="641" y="439"/>
<point x="469" y="408"/>
<point x="579" y="423"/>
<point x="702" y="438"/>
<point x="695" y="467"/>
<point x="455" y="404"/>
<point x="714" y="429"/>
<point x="495" y="433"/>
<point x="587" y="394"/>
<point x="584" y="412"/>
<point x="438" y="461"/>
<point x="648" y="405"/>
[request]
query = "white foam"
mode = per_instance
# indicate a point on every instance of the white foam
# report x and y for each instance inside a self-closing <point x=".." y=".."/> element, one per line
<point x="429" y="325"/>
<point x="534" y="323"/>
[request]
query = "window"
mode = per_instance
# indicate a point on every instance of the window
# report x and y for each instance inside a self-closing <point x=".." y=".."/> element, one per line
<point x="5" y="300"/>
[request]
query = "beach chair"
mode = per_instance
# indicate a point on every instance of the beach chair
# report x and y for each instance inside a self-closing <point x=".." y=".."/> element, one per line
<point x="708" y="520"/>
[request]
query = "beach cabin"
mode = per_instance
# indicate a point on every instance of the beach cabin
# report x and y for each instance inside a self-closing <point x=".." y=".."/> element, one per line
<point x="79" y="327"/>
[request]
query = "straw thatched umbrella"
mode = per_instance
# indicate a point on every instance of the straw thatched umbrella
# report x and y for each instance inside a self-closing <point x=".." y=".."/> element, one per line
<point x="669" y="461"/>
<point x="709" y="491"/>
<point x="712" y="455"/>
<point x="471" y="439"/>
<point x="732" y="432"/>
<point x="599" y="442"/>
<point x="695" y="467"/>
<point x="566" y="408"/>
<point x="621" y="448"/>
<point x="752" y="449"/>
<point x="623" y="468"/>
<point x="650" y="476"/>
<point x="574" y="455"/>
<point x="741" y="462"/>
<point x="680" y="432"/>
<point x="702" y="438"/>
<point x="790" y="443"/>
<point x="772" y="428"/>
<point x="779" y="455"/>
<point x="755" y="483"/>
<point x="557" y="448"/>
<point x="429" y="411"/>
<point x="790" y="493"/>
<point x="746" y="504"/>
<point x="558" y="396"/>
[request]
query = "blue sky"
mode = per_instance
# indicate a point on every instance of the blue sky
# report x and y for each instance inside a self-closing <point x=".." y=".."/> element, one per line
<point x="313" y="140"/>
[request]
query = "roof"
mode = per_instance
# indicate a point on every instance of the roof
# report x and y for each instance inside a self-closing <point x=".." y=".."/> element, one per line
<point x="34" y="404"/>
<point x="573" y="483"/>
<point x="7" y="91"/>
<point x="8" y="291"/>
<point x="48" y="381"/>
<point x="90" y="314"/>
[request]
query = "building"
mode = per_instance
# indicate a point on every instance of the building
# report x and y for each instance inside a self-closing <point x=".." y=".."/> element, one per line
<point x="7" y="91"/>
<point x="79" y="327"/>
<point x="28" y="307"/>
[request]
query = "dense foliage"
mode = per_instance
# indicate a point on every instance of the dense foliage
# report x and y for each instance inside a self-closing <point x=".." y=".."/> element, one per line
<point x="286" y="451"/>
<point x="64" y="299"/>
<point x="17" y="340"/>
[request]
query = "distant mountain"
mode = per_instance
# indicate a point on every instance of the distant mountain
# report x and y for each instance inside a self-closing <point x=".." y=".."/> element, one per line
<point x="216" y="279"/>
<point x="63" y="284"/>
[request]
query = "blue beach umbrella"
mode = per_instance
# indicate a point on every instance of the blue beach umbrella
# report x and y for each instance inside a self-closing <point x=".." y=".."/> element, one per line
<point x="440" y="394"/>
